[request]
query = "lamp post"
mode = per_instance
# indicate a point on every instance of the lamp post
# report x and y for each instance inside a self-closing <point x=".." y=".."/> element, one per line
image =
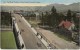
<point x="37" y="17"/>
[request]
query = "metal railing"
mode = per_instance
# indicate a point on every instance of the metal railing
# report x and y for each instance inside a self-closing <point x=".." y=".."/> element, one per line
<point x="50" y="44"/>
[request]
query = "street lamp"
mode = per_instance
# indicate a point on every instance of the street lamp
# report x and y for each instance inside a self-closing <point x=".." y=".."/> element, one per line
<point x="37" y="16"/>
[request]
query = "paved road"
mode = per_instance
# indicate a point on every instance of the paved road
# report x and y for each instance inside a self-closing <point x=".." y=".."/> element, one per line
<point x="57" y="41"/>
<point x="30" y="39"/>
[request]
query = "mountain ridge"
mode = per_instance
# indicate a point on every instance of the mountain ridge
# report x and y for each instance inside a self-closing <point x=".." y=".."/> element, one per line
<point x="59" y="7"/>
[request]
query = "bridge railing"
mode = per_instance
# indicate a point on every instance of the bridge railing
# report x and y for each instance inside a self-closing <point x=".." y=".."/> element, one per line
<point x="18" y="32"/>
<point x="46" y="42"/>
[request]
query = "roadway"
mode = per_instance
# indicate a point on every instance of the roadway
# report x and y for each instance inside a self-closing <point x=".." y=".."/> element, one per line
<point x="30" y="39"/>
<point x="57" y="41"/>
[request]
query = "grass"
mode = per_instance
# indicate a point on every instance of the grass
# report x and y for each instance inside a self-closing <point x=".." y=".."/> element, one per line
<point x="7" y="40"/>
<point x="34" y="23"/>
<point x="0" y="39"/>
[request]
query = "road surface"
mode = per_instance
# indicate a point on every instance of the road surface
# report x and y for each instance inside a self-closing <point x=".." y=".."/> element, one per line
<point x="30" y="39"/>
<point x="57" y="41"/>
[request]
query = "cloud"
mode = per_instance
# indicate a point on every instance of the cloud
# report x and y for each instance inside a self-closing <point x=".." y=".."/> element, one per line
<point x="23" y="4"/>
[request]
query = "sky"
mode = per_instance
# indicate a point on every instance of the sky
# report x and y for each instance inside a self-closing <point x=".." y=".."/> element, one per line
<point x="44" y="1"/>
<point x="36" y="2"/>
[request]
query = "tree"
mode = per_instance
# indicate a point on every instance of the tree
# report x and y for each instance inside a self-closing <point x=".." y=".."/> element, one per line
<point x="75" y="20"/>
<point x="74" y="17"/>
<point x="48" y="18"/>
<point x="53" y="10"/>
<point x="6" y="18"/>
<point x="45" y="18"/>
<point x="69" y="16"/>
<point x="42" y="18"/>
<point x="53" y="17"/>
<point x="61" y="17"/>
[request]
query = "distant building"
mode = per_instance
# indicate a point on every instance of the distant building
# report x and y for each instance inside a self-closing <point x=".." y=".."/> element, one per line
<point x="17" y="11"/>
<point x="78" y="15"/>
<point x="67" y="24"/>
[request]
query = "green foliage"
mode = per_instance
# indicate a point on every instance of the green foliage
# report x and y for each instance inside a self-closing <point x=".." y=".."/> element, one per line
<point x="8" y="40"/>
<point x="69" y="16"/>
<point x="53" y="10"/>
<point x="6" y="18"/>
<point x="75" y="20"/>
<point x="42" y="18"/>
<point x="52" y="19"/>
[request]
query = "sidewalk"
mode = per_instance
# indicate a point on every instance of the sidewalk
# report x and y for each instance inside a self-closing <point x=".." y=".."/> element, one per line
<point x="58" y="42"/>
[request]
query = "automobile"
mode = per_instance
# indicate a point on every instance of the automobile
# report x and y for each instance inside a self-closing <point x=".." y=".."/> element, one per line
<point x="19" y="20"/>
<point x="22" y="30"/>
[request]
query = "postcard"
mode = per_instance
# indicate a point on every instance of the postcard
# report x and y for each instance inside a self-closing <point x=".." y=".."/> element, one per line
<point x="40" y="24"/>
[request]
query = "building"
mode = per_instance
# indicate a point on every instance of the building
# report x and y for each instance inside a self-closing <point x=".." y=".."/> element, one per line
<point x="67" y="24"/>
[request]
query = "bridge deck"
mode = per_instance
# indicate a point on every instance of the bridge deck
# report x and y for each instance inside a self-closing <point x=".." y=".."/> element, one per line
<point x="29" y="38"/>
